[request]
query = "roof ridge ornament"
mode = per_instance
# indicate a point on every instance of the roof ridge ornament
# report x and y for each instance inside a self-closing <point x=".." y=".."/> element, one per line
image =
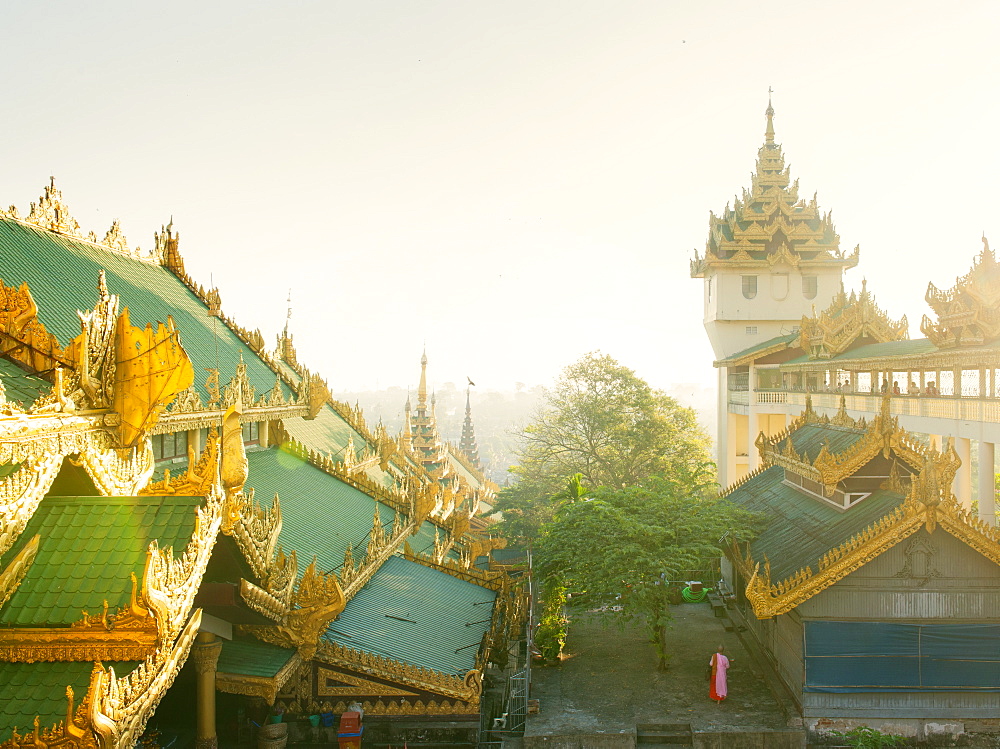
<point x="769" y="113"/>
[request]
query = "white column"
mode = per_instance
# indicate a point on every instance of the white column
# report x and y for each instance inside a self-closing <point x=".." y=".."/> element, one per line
<point x="752" y="421"/>
<point x="962" y="484"/>
<point x="722" y="443"/>
<point x="987" y="503"/>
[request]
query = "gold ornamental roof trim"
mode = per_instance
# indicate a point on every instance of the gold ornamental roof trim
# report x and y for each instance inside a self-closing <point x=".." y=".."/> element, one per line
<point x="928" y="504"/>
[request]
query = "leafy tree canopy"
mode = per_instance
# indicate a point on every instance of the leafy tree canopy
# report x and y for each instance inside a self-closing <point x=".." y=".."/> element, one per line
<point x="607" y="424"/>
<point x="603" y="421"/>
<point x="622" y="546"/>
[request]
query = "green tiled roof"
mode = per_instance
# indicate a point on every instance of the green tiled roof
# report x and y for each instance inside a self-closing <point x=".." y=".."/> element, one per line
<point x="30" y="689"/>
<point x="810" y="438"/>
<point x="252" y="658"/>
<point x="801" y="528"/>
<point x="876" y="351"/>
<point x="87" y="548"/>
<point x="327" y="433"/>
<point x="20" y="387"/>
<point x="771" y="342"/>
<point x="62" y="275"/>
<point x="416" y="615"/>
<point x="320" y="514"/>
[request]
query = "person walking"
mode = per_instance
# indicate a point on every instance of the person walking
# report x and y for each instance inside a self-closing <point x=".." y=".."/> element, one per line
<point x="718" y="686"/>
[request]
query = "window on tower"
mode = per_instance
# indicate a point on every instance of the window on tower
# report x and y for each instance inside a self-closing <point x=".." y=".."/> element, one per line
<point x="749" y="286"/>
<point x="809" y="287"/>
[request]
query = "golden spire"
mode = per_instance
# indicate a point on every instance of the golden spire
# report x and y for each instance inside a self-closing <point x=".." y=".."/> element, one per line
<point x="769" y="133"/>
<point x="422" y="390"/>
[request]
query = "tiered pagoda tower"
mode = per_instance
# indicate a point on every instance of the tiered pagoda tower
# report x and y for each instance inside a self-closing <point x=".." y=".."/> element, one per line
<point x="468" y="443"/>
<point x="769" y="259"/>
<point x="424" y="438"/>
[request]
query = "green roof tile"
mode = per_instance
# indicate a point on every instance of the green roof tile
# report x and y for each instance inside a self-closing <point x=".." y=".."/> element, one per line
<point x="801" y="528"/>
<point x="252" y="658"/>
<point x="20" y="386"/>
<point x="327" y="433"/>
<point x="30" y="689"/>
<point x="876" y="351"/>
<point x="416" y="615"/>
<point x="88" y="546"/>
<point x="62" y="275"/>
<point x="764" y="345"/>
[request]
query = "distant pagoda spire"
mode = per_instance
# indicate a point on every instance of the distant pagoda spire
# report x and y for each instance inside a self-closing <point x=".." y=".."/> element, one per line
<point x="286" y="347"/>
<point x="468" y="443"/>
<point x="424" y="437"/>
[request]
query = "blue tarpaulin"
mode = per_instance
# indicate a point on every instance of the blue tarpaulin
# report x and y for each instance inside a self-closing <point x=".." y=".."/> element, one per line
<point x="891" y="657"/>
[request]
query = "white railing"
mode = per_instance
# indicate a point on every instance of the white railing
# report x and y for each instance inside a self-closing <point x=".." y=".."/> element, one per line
<point x="933" y="407"/>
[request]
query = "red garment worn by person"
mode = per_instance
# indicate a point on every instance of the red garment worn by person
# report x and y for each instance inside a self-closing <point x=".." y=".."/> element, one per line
<point x="718" y="685"/>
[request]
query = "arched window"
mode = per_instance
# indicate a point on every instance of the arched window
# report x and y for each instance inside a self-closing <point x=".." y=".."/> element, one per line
<point x="749" y="286"/>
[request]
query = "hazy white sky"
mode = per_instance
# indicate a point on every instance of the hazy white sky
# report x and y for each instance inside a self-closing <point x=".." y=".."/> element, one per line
<point x="516" y="182"/>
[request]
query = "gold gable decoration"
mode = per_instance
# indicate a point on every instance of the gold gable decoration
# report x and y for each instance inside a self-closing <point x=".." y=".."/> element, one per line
<point x="968" y="314"/>
<point x="23" y="337"/>
<point x="151" y="368"/>
<point x="847" y="319"/>
<point x="928" y="504"/>
<point x="882" y="435"/>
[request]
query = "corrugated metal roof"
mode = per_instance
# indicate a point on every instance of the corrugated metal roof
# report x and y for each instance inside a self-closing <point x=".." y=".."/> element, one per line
<point x="39" y="689"/>
<point x="252" y="658"/>
<point x="320" y="514"/>
<point x="20" y="386"/>
<point x="801" y="528"/>
<point x="875" y="351"/>
<point x="327" y="433"/>
<point x="780" y="341"/>
<point x="88" y="546"/>
<point x="62" y="275"/>
<point x="417" y="615"/>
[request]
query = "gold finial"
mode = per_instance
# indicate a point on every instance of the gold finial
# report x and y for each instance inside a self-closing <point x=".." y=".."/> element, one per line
<point x="769" y="133"/>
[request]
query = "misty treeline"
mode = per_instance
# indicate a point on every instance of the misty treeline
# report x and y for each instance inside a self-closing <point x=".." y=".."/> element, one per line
<point x="499" y="416"/>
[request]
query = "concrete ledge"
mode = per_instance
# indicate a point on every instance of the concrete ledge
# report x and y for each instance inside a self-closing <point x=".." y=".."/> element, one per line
<point x="749" y="740"/>
<point x="624" y="740"/>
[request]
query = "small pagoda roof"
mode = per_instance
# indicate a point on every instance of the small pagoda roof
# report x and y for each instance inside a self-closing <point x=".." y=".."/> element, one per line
<point x="62" y="275"/>
<point x="417" y="615"/>
<point x="28" y="690"/>
<point x="88" y="547"/>
<point x="810" y="439"/>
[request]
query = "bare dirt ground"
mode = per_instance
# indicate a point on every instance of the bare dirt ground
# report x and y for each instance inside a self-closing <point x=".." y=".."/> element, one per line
<point x="608" y="682"/>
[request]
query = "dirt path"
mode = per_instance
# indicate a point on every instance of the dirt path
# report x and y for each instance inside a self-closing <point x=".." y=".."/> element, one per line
<point x="608" y="681"/>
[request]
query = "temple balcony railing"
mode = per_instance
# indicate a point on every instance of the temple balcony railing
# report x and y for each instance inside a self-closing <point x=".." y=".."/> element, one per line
<point x="970" y="409"/>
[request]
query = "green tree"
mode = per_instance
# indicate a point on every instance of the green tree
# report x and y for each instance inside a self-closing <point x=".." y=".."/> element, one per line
<point x="623" y="545"/>
<point x="603" y="421"/>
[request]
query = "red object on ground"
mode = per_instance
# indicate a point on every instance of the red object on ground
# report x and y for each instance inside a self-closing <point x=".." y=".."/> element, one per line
<point x="349" y="733"/>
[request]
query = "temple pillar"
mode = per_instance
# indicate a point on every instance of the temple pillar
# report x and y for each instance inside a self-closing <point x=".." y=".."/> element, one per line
<point x="205" y="652"/>
<point x="987" y="490"/>
<point x="753" y="421"/>
<point x="722" y="446"/>
<point x="961" y="486"/>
